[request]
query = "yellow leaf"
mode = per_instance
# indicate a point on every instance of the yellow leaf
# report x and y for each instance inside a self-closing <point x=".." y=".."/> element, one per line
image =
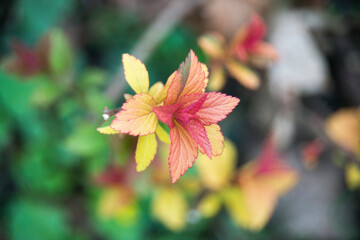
<point x="343" y="127"/>
<point x="262" y="182"/>
<point x="216" y="139"/>
<point x="128" y="214"/>
<point x="280" y="181"/>
<point x="215" y="174"/>
<point x="111" y="200"/>
<point x="135" y="74"/>
<point x="217" y="79"/>
<point x="206" y="71"/>
<point x="212" y="44"/>
<point x="156" y="92"/>
<point x="170" y="207"/>
<point x="352" y="176"/>
<point x="106" y="130"/>
<point x="145" y="151"/>
<point x="210" y="205"/>
<point x="261" y="202"/>
<point x="162" y="135"/>
<point x="243" y="75"/>
<point x="164" y="91"/>
<point x="250" y="207"/>
<point x="191" y="185"/>
<point x="237" y="208"/>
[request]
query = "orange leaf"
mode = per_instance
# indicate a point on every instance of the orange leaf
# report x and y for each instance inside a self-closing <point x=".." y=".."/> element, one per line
<point x="261" y="203"/>
<point x="183" y="151"/>
<point x="343" y="127"/>
<point x="199" y="134"/>
<point x="215" y="107"/>
<point x="216" y="139"/>
<point x="262" y="182"/>
<point x="136" y="116"/>
<point x="190" y="78"/>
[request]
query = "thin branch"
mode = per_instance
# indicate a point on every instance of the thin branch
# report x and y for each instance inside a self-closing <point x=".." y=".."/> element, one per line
<point x="156" y="32"/>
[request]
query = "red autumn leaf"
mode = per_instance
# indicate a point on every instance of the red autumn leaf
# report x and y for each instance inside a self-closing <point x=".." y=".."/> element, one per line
<point x="187" y="110"/>
<point x="26" y="60"/>
<point x="183" y="151"/>
<point x="248" y="37"/>
<point x="190" y="78"/>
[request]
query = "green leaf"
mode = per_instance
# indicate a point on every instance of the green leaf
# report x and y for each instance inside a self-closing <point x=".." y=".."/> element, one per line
<point x="93" y="78"/>
<point x="86" y="142"/>
<point x="46" y="93"/>
<point x="114" y="229"/>
<point x="5" y="127"/>
<point x="39" y="171"/>
<point x="37" y="221"/>
<point x="96" y="101"/>
<point x="36" y="16"/>
<point x="60" y="56"/>
<point x="15" y="94"/>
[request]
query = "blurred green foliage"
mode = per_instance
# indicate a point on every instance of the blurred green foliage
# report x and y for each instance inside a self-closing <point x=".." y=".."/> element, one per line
<point x="48" y="140"/>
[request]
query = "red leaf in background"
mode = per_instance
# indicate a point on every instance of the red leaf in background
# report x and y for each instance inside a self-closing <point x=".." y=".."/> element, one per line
<point x="269" y="159"/>
<point x="113" y="175"/>
<point x="311" y="153"/>
<point x="256" y="31"/>
<point x="26" y="59"/>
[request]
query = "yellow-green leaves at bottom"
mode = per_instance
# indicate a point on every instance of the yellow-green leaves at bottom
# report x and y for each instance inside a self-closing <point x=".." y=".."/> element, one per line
<point x="352" y="176"/>
<point x="145" y="151"/>
<point x="243" y="75"/>
<point x="170" y="207"/>
<point x="210" y="205"/>
<point x="235" y="203"/>
<point x="216" y="174"/>
<point x="116" y="203"/>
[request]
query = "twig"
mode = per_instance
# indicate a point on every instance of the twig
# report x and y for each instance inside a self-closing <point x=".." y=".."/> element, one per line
<point x="155" y="33"/>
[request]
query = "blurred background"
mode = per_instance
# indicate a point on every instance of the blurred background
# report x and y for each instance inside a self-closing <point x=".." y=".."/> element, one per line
<point x="61" y="65"/>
